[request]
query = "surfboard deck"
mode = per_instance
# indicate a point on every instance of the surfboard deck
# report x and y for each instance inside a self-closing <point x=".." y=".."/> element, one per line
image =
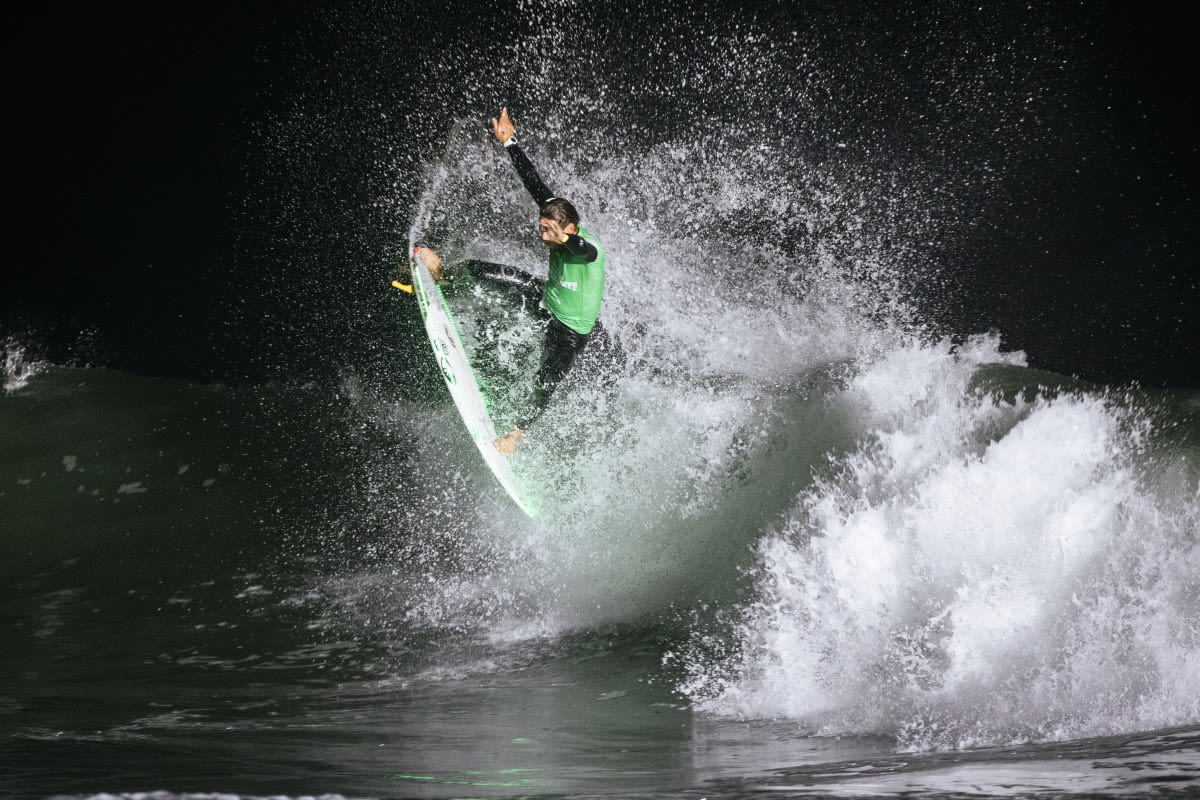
<point x="460" y="380"/>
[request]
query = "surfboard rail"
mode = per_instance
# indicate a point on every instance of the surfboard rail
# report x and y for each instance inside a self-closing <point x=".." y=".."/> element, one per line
<point x="460" y="380"/>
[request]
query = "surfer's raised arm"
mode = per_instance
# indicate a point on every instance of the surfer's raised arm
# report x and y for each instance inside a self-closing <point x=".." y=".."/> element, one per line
<point x="553" y="235"/>
<point x="506" y="133"/>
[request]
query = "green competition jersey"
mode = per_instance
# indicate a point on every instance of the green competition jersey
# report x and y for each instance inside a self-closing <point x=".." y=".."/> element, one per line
<point x="575" y="285"/>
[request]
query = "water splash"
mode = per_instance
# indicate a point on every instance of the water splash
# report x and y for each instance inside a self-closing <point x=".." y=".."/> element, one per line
<point x="19" y="366"/>
<point x="730" y="344"/>
<point x="783" y="201"/>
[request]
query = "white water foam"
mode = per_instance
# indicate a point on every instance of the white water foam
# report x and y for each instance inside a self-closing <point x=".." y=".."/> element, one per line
<point x="19" y="367"/>
<point x="977" y="571"/>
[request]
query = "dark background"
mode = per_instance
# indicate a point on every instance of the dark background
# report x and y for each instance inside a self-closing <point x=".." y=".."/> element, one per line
<point x="147" y="228"/>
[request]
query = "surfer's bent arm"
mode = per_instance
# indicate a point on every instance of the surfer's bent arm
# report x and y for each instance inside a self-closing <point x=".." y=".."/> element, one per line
<point x="576" y="245"/>
<point x="533" y="183"/>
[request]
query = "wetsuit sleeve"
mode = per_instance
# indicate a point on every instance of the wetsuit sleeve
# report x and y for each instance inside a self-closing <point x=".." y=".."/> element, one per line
<point x="533" y="183"/>
<point x="578" y="246"/>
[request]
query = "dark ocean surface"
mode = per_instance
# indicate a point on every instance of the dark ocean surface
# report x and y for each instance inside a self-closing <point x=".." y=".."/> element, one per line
<point x="896" y="493"/>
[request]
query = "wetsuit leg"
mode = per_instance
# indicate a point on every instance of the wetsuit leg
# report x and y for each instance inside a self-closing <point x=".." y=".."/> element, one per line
<point x="563" y="346"/>
<point x="604" y="360"/>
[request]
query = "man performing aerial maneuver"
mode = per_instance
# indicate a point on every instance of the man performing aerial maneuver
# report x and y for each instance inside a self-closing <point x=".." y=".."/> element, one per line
<point x="572" y="290"/>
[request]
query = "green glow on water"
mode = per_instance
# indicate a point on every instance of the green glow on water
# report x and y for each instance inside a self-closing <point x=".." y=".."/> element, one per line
<point x="492" y="778"/>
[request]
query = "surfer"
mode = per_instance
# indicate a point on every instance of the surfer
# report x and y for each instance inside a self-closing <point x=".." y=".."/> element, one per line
<point x="572" y="290"/>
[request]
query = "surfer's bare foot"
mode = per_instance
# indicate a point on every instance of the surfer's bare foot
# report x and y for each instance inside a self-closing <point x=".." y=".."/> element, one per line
<point x="507" y="444"/>
<point x="431" y="261"/>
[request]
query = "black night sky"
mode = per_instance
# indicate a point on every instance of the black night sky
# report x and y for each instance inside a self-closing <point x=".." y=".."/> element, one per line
<point x="131" y="128"/>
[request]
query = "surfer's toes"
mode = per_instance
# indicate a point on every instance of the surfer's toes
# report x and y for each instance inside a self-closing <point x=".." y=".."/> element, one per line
<point x="431" y="260"/>
<point x="507" y="444"/>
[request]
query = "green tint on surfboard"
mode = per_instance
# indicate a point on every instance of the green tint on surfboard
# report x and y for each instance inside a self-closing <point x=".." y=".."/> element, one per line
<point x="452" y="358"/>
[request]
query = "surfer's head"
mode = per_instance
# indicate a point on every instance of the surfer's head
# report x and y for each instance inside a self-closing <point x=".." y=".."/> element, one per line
<point x="557" y="215"/>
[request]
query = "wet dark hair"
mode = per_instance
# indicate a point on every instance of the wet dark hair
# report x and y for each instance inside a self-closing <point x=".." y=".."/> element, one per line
<point x="561" y="211"/>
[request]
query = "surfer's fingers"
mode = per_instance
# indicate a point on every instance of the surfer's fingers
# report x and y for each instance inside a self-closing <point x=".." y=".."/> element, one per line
<point x="502" y="127"/>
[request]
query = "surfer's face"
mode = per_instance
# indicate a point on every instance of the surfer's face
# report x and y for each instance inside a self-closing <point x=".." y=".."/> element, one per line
<point x="552" y="232"/>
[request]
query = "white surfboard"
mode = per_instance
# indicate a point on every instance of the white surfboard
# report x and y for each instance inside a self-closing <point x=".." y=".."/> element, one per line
<point x="452" y="358"/>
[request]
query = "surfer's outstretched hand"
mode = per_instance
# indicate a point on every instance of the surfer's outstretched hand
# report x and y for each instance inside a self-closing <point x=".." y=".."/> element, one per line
<point x="503" y="127"/>
<point x="431" y="260"/>
<point x="507" y="444"/>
